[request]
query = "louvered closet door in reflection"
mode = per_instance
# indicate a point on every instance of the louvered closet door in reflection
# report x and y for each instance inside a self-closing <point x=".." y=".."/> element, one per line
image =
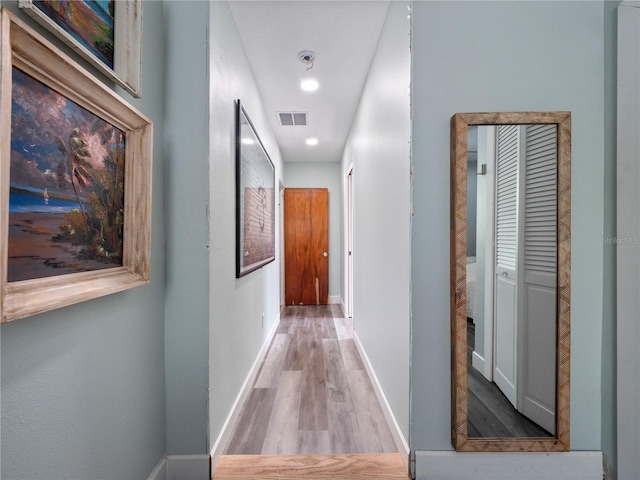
<point x="537" y="385"/>
<point x="506" y="274"/>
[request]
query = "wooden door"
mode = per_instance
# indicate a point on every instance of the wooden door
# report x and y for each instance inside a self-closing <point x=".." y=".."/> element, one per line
<point x="306" y="246"/>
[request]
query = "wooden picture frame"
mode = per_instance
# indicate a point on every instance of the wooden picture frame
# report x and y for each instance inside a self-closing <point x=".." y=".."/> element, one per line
<point x="25" y="51"/>
<point x="459" y="349"/>
<point x="127" y="41"/>
<point x="255" y="198"/>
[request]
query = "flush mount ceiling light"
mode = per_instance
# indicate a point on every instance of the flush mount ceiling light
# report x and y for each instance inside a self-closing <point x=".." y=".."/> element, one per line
<point x="309" y="85"/>
<point x="312" y="141"/>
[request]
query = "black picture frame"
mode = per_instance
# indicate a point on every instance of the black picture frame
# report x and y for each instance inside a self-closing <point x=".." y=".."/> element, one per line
<point x="255" y="198"/>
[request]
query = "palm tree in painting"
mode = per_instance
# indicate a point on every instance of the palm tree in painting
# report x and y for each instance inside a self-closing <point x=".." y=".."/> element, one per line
<point x="75" y="163"/>
<point x="109" y="185"/>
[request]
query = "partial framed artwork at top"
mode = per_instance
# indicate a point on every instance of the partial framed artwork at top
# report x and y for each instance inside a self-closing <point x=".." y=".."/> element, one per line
<point x="255" y="198"/>
<point x="107" y="33"/>
<point x="75" y="180"/>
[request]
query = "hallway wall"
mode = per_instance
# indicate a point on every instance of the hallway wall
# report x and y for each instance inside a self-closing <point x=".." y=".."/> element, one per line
<point x="236" y="305"/>
<point x="323" y="175"/>
<point x="83" y="386"/>
<point x="505" y="56"/>
<point x="378" y="147"/>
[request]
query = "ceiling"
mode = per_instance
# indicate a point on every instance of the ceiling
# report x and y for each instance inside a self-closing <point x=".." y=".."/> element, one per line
<point x="342" y="34"/>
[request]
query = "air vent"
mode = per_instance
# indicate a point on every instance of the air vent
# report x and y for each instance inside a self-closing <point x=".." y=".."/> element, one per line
<point x="290" y="119"/>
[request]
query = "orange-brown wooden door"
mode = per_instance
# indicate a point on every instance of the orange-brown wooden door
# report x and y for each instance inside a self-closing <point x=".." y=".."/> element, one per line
<point x="306" y="246"/>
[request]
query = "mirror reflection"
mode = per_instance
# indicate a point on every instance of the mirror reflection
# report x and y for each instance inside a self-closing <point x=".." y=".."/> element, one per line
<point x="511" y="279"/>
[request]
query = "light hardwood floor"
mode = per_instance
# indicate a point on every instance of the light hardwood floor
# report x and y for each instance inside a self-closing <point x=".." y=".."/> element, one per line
<point x="312" y="394"/>
<point x="387" y="466"/>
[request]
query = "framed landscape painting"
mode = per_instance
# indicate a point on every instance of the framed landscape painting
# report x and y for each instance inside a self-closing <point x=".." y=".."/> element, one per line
<point x="107" y="33"/>
<point x="255" y="198"/>
<point x="75" y="174"/>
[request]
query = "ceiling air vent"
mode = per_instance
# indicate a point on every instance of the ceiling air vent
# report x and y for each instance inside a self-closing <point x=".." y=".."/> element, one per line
<point x="289" y="119"/>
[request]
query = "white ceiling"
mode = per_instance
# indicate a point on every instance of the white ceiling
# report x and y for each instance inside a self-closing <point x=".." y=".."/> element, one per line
<point x="344" y="36"/>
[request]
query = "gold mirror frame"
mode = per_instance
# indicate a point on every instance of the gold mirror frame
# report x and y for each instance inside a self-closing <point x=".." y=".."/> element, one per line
<point x="459" y="393"/>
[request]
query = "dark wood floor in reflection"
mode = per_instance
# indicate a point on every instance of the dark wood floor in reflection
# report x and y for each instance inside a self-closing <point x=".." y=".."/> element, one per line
<point x="490" y="412"/>
<point x="312" y="395"/>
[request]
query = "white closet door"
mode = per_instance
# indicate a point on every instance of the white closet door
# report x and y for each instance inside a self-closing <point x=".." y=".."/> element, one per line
<point x="505" y="331"/>
<point x="536" y="372"/>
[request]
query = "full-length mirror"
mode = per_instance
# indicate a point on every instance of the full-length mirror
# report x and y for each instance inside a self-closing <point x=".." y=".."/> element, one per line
<point x="510" y="280"/>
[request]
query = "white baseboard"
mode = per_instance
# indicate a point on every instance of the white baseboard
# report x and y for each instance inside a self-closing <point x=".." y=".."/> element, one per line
<point x="508" y="466"/>
<point x="335" y="300"/>
<point x="343" y="307"/>
<point x="182" y="467"/>
<point x="188" y="467"/>
<point x="224" y="437"/>
<point x="477" y="362"/>
<point x="160" y="472"/>
<point x="401" y="443"/>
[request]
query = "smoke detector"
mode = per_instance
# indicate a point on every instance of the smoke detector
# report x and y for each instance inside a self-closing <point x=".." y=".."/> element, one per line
<point x="307" y="57"/>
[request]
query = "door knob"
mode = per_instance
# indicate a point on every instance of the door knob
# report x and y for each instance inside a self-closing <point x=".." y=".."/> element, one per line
<point x="325" y="254"/>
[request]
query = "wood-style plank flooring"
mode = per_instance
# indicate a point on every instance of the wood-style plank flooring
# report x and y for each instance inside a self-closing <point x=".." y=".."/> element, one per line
<point x="312" y="394"/>
<point x="490" y="414"/>
<point x="387" y="466"/>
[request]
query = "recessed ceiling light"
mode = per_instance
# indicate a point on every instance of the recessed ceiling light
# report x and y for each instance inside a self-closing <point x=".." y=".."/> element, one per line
<point x="309" y="85"/>
<point x="312" y="141"/>
<point x="248" y="141"/>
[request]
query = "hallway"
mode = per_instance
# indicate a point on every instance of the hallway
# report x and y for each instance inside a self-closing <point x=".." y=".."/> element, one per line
<point x="313" y="394"/>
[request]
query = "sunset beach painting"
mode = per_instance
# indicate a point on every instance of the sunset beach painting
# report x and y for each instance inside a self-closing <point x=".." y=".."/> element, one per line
<point x="66" y="202"/>
<point x="91" y="23"/>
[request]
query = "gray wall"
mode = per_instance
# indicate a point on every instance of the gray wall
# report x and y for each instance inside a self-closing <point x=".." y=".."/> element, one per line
<point x="186" y="301"/>
<point x="609" y="331"/>
<point x="505" y="56"/>
<point x="323" y="175"/>
<point x="83" y="386"/>
<point x="378" y="147"/>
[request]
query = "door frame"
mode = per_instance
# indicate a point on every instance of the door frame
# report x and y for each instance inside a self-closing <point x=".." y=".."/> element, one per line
<point x="281" y="229"/>
<point x="349" y="241"/>
<point x="627" y="239"/>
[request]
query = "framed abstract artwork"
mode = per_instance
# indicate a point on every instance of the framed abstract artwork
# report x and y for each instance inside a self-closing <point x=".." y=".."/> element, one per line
<point x="107" y="33"/>
<point x="75" y="180"/>
<point x="255" y="198"/>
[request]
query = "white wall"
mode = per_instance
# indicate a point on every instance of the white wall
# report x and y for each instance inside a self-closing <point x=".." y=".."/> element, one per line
<point x="504" y="56"/>
<point x="236" y="333"/>
<point x="379" y="150"/>
<point x="323" y="175"/>
<point x="83" y="386"/>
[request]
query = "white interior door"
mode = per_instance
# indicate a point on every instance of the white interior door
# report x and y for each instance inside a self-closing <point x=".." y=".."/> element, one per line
<point x="506" y="274"/>
<point x="537" y="380"/>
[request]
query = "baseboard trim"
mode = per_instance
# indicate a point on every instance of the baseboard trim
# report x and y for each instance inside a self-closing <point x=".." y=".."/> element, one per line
<point x="188" y="467"/>
<point x="335" y="300"/>
<point x="509" y="466"/>
<point x="477" y="362"/>
<point x="401" y="443"/>
<point x="160" y="472"/>
<point x="223" y="439"/>
<point x="344" y="307"/>
<point x="184" y="467"/>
